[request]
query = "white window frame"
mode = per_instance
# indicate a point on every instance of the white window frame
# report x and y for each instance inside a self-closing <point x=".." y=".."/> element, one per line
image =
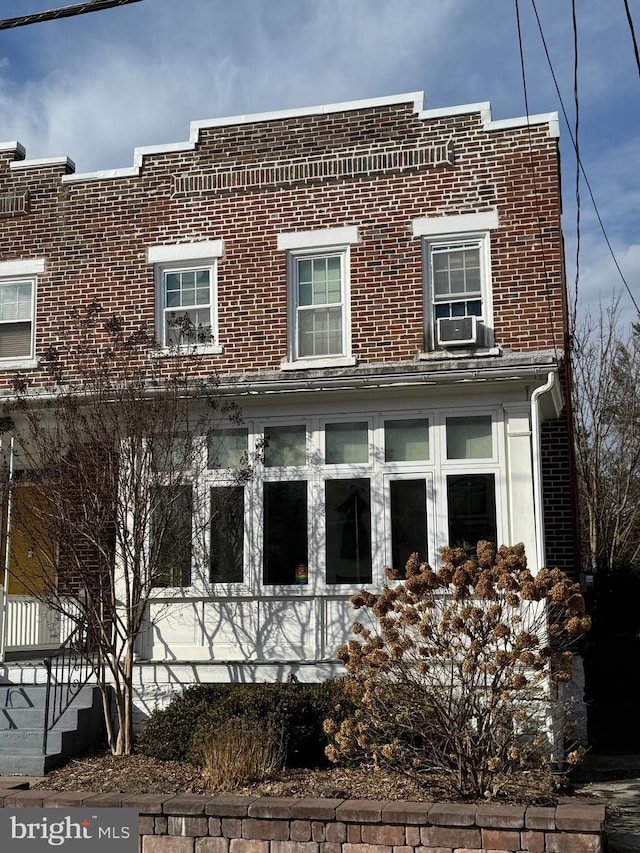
<point x="312" y="245"/>
<point x="201" y="480"/>
<point x="457" y="231"/>
<point x="213" y="477"/>
<point x="22" y="272"/>
<point x="432" y="545"/>
<point x="187" y="257"/>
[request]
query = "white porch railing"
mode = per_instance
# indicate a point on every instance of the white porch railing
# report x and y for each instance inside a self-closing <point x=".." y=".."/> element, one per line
<point x="32" y="624"/>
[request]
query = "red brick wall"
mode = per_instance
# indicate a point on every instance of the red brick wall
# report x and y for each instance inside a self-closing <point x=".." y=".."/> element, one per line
<point x="94" y="234"/>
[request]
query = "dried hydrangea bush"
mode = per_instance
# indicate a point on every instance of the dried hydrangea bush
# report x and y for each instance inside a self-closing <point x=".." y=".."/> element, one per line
<point x="456" y="671"/>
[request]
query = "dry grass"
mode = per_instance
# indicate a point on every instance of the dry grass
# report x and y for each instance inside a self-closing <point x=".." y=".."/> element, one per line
<point x="240" y="753"/>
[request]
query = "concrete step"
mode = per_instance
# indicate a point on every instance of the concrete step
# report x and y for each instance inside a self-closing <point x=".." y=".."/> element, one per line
<point x="33" y="718"/>
<point x="17" y="696"/>
<point x="22" y="710"/>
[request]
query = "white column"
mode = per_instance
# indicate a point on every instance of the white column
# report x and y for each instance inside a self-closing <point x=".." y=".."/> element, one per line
<point x="520" y="474"/>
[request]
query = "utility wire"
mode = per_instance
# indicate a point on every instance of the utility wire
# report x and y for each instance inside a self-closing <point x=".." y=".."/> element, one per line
<point x="633" y="33"/>
<point x="582" y="169"/>
<point x="576" y="103"/>
<point x="63" y="12"/>
<point x="534" y="181"/>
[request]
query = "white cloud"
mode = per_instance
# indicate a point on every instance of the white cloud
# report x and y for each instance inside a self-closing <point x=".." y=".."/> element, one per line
<point x="95" y="86"/>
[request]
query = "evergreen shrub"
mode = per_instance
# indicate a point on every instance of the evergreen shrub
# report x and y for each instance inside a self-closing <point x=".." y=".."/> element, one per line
<point x="295" y="712"/>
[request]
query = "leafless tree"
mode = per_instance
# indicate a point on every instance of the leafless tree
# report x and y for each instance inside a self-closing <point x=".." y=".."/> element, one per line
<point x="108" y="450"/>
<point x="606" y="363"/>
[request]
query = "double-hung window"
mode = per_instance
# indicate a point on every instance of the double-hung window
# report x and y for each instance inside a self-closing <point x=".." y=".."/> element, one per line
<point x="186" y="294"/>
<point x="319" y="295"/>
<point x="318" y="269"/>
<point x="457" y="279"/>
<point x="17" y="309"/>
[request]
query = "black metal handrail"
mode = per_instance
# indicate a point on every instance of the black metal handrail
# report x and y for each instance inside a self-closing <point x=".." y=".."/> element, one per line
<point x="69" y="668"/>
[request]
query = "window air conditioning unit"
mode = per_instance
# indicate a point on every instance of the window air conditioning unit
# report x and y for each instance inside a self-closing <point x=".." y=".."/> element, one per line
<point x="457" y="331"/>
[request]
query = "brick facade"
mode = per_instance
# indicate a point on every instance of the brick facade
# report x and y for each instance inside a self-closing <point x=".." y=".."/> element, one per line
<point x="94" y="232"/>
<point x="381" y="191"/>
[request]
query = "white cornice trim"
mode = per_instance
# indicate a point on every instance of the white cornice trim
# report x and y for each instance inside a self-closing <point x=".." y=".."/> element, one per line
<point x="107" y="174"/>
<point x="12" y="147"/>
<point x="527" y="121"/>
<point x="416" y="98"/>
<point x="42" y="161"/>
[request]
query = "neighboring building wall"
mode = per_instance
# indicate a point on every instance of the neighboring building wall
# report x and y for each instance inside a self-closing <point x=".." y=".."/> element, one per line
<point x="559" y="498"/>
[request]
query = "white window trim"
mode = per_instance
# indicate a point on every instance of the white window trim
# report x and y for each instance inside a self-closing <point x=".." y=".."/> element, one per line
<point x="23" y="272"/>
<point x="300" y="244"/>
<point x="485" y="289"/>
<point x="324" y="238"/>
<point x="181" y="257"/>
<point x="434" y="230"/>
<point x="436" y="226"/>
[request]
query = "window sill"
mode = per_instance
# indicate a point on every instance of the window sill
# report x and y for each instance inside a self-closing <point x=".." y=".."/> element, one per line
<point x="459" y="352"/>
<point x="318" y="363"/>
<point x="18" y="363"/>
<point x="196" y="349"/>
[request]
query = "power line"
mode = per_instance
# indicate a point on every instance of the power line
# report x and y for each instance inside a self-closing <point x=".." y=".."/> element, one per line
<point x="582" y="169"/>
<point x="534" y="181"/>
<point x="633" y="33"/>
<point x="576" y="104"/>
<point x="63" y="12"/>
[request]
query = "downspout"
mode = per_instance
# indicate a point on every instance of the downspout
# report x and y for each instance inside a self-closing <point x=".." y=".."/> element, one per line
<point x="7" y="552"/>
<point x="536" y="429"/>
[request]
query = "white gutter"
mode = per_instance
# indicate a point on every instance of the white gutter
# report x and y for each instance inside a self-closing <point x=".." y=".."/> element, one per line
<point x="536" y="427"/>
<point x="7" y="553"/>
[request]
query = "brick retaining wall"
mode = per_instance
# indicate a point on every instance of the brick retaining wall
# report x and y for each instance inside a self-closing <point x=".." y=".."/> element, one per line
<point x="172" y="823"/>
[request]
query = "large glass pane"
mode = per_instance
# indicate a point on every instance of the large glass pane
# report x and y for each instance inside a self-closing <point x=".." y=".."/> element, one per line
<point x="227" y="448"/>
<point x="346" y="443"/>
<point x="174" y="453"/>
<point x="408" y="505"/>
<point x="187" y="287"/>
<point x="285" y="531"/>
<point x="15" y="340"/>
<point x="320" y="332"/>
<point x="469" y="437"/>
<point x="406" y="440"/>
<point x="285" y="445"/>
<point x="471" y="504"/>
<point x="15" y="301"/>
<point x="348" y="531"/>
<point x="226" y="552"/>
<point x="188" y="327"/>
<point x="455" y="269"/>
<point x="171" y="514"/>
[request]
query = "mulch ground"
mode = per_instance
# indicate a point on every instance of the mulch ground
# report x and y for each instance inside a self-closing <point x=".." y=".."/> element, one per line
<point x="137" y="774"/>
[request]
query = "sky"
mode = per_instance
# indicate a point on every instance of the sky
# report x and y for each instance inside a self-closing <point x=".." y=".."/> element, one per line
<point x="96" y="86"/>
